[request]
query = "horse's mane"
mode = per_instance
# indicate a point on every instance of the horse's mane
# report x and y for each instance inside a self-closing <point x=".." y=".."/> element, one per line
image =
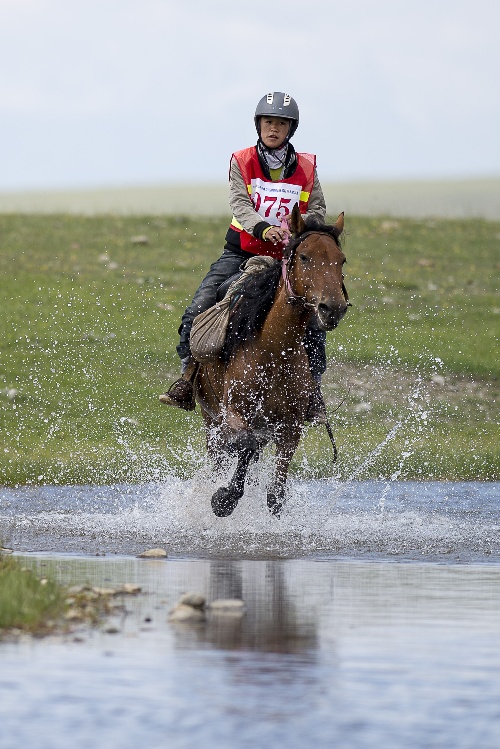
<point x="249" y="307"/>
<point x="313" y="224"/>
<point x="255" y="297"/>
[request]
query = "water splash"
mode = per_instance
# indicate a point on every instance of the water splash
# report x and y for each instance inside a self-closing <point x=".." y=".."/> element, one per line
<point x="430" y="520"/>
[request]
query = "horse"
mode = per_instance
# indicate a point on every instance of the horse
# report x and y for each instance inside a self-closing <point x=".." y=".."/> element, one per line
<point x="258" y="390"/>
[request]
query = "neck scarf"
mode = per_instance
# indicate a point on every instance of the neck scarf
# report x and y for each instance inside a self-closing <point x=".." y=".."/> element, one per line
<point x="275" y="158"/>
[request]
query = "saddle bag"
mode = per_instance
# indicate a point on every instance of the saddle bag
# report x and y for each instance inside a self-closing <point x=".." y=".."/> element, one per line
<point x="209" y="332"/>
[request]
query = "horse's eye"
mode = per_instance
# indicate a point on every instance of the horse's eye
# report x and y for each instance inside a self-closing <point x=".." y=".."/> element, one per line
<point x="304" y="258"/>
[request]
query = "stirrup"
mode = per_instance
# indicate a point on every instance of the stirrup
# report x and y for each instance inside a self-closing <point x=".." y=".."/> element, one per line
<point x="180" y="395"/>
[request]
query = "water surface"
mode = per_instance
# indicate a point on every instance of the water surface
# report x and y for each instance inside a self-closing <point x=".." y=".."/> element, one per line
<point x="372" y="618"/>
<point x="330" y="653"/>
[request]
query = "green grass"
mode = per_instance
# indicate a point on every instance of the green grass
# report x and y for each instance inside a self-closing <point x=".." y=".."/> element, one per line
<point x="89" y="323"/>
<point x="28" y="602"/>
<point x="424" y="288"/>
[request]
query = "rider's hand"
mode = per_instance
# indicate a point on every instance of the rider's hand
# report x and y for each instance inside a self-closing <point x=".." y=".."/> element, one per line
<point x="275" y="234"/>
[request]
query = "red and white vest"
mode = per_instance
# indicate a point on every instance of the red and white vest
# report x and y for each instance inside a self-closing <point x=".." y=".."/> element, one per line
<point x="272" y="200"/>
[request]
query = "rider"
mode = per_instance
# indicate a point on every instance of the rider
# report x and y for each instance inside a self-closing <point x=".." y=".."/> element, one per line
<point x="265" y="181"/>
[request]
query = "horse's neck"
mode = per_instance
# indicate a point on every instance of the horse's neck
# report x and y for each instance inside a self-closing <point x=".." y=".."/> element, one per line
<point x="285" y="323"/>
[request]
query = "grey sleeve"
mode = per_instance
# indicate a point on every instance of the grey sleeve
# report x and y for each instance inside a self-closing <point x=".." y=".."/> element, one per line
<point x="317" y="206"/>
<point x="240" y="201"/>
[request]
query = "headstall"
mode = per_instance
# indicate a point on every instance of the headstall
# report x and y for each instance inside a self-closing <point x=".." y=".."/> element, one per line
<point x="293" y="298"/>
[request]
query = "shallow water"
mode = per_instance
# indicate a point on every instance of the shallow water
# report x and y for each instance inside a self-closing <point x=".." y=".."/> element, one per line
<point x="346" y="641"/>
<point x="427" y="520"/>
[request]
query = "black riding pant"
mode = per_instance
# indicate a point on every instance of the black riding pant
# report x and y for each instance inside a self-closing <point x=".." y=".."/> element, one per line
<point x="226" y="266"/>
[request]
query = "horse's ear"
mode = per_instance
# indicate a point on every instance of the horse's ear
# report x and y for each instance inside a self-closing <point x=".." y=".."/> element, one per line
<point x="296" y="223"/>
<point x="339" y="223"/>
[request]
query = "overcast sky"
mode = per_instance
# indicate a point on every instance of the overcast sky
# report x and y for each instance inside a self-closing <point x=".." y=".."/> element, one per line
<point x="124" y="92"/>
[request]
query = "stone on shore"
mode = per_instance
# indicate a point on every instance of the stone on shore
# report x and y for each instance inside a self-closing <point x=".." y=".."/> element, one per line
<point x="74" y="615"/>
<point x="130" y="588"/>
<point x="153" y="554"/>
<point x="104" y="592"/>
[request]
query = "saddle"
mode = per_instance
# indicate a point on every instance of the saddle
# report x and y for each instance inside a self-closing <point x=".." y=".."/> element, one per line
<point x="208" y="333"/>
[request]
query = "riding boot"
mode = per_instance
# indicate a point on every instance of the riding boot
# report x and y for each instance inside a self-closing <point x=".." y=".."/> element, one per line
<point x="314" y="343"/>
<point x="316" y="409"/>
<point x="181" y="393"/>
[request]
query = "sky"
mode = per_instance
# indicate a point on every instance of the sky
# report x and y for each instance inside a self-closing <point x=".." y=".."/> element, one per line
<point x="97" y="93"/>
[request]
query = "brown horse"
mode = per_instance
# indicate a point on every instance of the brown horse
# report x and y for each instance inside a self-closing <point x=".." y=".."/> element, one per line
<point x="260" y="392"/>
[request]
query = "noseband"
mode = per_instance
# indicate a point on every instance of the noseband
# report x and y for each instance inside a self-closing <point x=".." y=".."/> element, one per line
<point x="293" y="298"/>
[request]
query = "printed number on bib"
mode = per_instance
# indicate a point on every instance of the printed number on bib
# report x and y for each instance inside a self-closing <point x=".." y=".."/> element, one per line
<point x="269" y="209"/>
<point x="274" y="200"/>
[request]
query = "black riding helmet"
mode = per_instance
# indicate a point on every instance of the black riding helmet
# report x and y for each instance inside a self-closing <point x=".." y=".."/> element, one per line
<point x="278" y="104"/>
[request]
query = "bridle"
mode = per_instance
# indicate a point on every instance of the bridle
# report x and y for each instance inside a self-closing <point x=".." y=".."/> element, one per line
<point x="294" y="298"/>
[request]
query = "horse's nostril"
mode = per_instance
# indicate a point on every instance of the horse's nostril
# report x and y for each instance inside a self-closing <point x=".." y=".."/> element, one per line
<point x="327" y="311"/>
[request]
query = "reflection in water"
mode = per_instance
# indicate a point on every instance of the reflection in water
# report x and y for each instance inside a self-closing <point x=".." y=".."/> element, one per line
<point x="271" y="621"/>
<point x="328" y="653"/>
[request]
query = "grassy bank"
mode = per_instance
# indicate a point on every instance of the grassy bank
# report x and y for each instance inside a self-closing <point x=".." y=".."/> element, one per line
<point x="90" y="309"/>
<point x="28" y="602"/>
<point x="32" y="601"/>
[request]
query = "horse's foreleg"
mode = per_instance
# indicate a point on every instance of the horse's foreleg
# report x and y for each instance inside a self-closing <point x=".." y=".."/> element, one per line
<point x="226" y="498"/>
<point x="237" y="439"/>
<point x="276" y="493"/>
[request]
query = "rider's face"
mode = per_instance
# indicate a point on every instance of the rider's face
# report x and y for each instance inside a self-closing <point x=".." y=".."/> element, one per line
<point x="273" y="131"/>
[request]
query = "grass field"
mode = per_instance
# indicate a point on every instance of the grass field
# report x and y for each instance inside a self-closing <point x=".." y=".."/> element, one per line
<point x="90" y="309"/>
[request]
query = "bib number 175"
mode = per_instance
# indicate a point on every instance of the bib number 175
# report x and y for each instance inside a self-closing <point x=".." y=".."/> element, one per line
<point x="272" y="207"/>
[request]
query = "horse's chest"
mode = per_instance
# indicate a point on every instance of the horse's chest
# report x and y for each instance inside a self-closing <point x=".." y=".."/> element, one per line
<point x="270" y="388"/>
<point x="271" y="396"/>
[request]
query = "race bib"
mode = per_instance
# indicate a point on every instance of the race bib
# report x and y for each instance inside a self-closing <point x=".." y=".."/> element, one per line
<point x="274" y="200"/>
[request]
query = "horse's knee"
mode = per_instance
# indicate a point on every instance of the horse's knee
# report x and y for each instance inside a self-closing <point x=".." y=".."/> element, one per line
<point x="276" y="499"/>
<point x="274" y="504"/>
<point x="240" y="442"/>
<point x="246" y="442"/>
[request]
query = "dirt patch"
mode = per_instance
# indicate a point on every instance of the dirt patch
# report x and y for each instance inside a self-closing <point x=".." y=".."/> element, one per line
<point x="375" y="384"/>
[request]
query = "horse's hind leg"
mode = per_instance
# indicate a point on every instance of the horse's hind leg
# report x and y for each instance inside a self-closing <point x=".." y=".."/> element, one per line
<point x="226" y="498"/>
<point x="276" y="493"/>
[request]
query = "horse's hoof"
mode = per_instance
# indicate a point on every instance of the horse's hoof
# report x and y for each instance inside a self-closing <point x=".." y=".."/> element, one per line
<point x="274" y="506"/>
<point x="224" y="502"/>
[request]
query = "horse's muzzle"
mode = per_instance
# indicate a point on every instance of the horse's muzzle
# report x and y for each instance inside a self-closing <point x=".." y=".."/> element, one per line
<point x="329" y="315"/>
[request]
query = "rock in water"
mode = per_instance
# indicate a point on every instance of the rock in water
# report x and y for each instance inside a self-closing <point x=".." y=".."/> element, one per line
<point x="195" y="600"/>
<point x="189" y="608"/>
<point x="183" y="613"/>
<point x="227" y="607"/>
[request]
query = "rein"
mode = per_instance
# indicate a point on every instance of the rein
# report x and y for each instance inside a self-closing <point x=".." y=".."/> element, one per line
<point x="293" y="298"/>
